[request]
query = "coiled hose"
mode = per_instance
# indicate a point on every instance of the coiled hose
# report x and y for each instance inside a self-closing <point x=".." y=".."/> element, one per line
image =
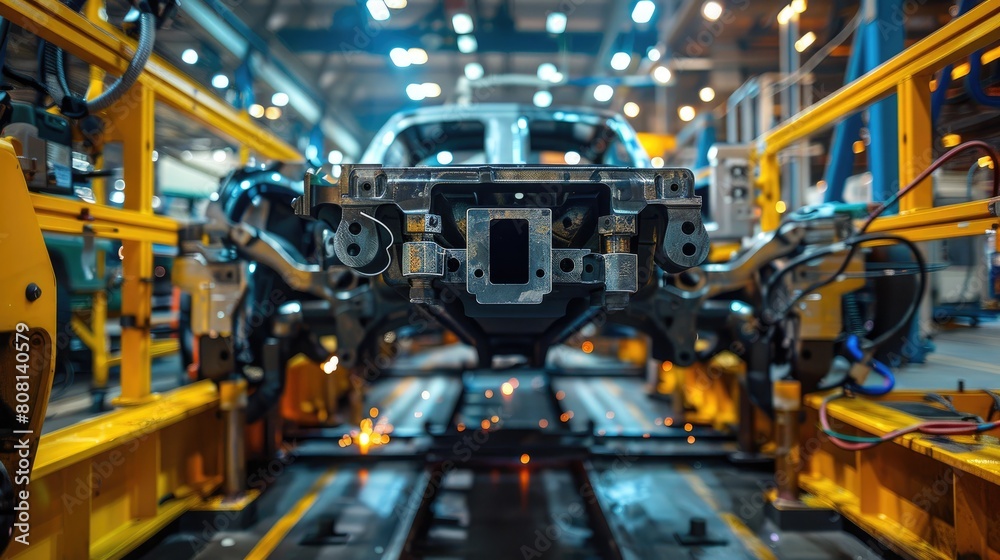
<point x="58" y="85"/>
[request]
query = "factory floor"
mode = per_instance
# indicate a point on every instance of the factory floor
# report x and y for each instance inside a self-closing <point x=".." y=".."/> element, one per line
<point x="616" y="479"/>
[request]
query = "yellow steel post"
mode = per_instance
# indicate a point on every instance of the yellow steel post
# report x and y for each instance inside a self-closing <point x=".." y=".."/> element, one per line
<point x="769" y="183"/>
<point x="99" y="301"/>
<point x="915" y="133"/>
<point x="136" y="132"/>
<point x="244" y="147"/>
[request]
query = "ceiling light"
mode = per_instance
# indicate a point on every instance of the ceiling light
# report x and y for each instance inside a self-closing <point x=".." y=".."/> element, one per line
<point x="279" y="99"/>
<point x="467" y="44"/>
<point x="400" y="57"/>
<point x="557" y="77"/>
<point x="190" y="56"/>
<point x="785" y="15"/>
<point x="312" y="152"/>
<point x="256" y="111"/>
<point x="220" y="81"/>
<point x="118" y="197"/>
<point x="542" y="98"/>
<point x="377" y="9"/>
<point x="555" y="23"/>
<point x="445" y="157"/>
<point x="395" y="4"/>
<point x="643" y="11"/>
<point x="706" y="94"/>
<point x="711" y="10"/>
<point x="417" y="55"/>
<point x="474" y="71"/>
<point x="462" y="23"/>
<point x="657" y="161"/>
<point x="335" y="157"/>
<point x="621" y="60"/>
<point x="273" y="113"/>
<point x="804" y="41"/>
<point x="661" y="74"/>
<point x="415" y="92"/>
<point x="631" y="109"/>
<point x="219" y="155"/>
<point x="430" y="89"/>
<point x="686" y="113"/>
<point x="653" y="53"/>
<point x="798" y="6"/>
<point x="572" y="158"/>
<point x="604" y="93"/>
<point x="546" y="70"/>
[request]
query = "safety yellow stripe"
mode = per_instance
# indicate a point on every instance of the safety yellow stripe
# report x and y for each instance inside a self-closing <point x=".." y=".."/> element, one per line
<point x="750" y="541"/>
<point x="280" y="530"/>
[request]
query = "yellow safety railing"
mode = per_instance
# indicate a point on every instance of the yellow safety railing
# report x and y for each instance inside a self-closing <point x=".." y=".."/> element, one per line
<point x="131" y="121"/>
<point x="908" y="75"/>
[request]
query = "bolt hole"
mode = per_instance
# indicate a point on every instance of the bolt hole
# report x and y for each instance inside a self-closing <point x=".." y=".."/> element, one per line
<point x="224" y="355"/>
<point x="478" y="273"/>
<point x="567" y="222"/>
<point x="353" y="249"/>
<point x="567" y="265"/>
<point x="607" y="222"/>
<point x="807" y="354"/>
<point x="687" y="228"/>
<point x="454" y="264"/>
<point x="684" y="357"/>
<point x="588" y="268"/>
<point x="689" y="249"/>
<point x="540" y="273"/>
<point x="354" y="228"/>
<point x="366" y="186"/>
<point x="674" y="187"/>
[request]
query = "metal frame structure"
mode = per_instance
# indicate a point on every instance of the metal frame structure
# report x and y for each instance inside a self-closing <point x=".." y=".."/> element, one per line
<point x="167" y="445"/>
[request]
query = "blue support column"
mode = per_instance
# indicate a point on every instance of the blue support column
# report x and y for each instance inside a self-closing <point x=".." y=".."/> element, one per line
<point x="883" y="37"/>
<point x="841" y="164"/>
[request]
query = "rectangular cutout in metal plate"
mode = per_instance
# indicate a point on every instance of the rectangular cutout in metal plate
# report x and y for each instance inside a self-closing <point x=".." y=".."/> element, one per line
<point x="509" y="254"/>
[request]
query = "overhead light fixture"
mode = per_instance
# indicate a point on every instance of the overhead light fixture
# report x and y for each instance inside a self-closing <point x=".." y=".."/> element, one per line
<point x="555" y="23"/>
<point x="377" y="9"/>
<point x="279" y="99"/>
<point x="400" y="57"/>
<point x="542" y="98"/>
<point x="546" y="70"/>
<point x="273" y="113"/>
<point x="805" y="41"/>
<point x="653" y="54"/>
<point x="415" y="92"/>
<point x="785" y="15"/>
<point x="643" y="11"/>
<point x="417" y="55"/>
<point x="711" y="10"/>
<point x="474" y="71"/>
<point x="662" y="74"/>
<point x="557" y="77"/>
<point x="686" y="113"/>
<point x="467" y="44"/>
<point x="706" y="94"/>
<point x="395" y="4"/>
<point x="220" y="81"/>
<point x="657" y="161"/>
<point x="572" y="158"/>
<point x="462" y="23"/>
<point x="219" y="155"/>
<point x="190" y="56"/>
<point x="430" y="89"/>
<point x="335" y="157"/>
<point x="445" y="157"/>
<point x="256" y="111"/>
<point x="604" y="93"/>
<point x="798" y="6"/>
<point x="620" y="60"/>
<point x="631" y="109"/>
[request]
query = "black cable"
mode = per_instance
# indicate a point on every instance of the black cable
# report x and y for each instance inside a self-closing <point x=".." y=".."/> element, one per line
<point x="854" y="242"/>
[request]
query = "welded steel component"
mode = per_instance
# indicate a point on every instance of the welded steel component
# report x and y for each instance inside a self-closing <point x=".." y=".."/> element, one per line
<point x="482" y="249"/>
